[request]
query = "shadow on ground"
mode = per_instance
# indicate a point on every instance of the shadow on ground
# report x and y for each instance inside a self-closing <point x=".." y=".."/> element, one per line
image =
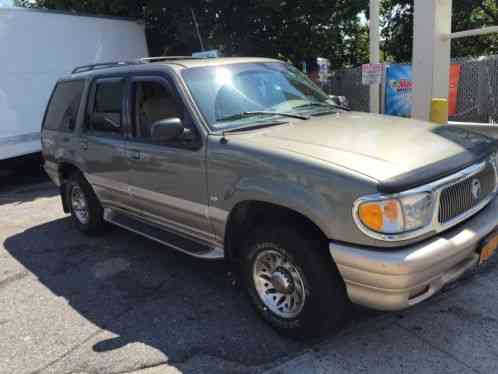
<point x="144" y="292"/>
<point x="24" y="180"/>
<point x="147" y="293"/>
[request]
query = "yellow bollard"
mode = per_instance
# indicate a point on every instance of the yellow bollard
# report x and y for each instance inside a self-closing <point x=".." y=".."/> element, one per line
<point x="439" y="111"/>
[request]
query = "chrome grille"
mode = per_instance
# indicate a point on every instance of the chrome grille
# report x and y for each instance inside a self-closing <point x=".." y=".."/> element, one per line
<point x="458" y="198"/>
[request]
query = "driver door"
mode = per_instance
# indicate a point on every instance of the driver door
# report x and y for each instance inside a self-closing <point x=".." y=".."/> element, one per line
<point x="167" y="179"/>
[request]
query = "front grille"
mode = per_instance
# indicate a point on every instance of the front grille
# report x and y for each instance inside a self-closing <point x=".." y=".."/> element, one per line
<point x="457" y="199"/>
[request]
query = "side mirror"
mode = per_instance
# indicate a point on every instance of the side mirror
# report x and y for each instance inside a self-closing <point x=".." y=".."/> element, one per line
<point x="167" y="129"/>
<point x="341" y="101"/>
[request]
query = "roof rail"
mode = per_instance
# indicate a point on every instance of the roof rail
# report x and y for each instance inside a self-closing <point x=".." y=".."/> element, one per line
<point x="143" y="60"/>
<point x="166" y="58"/>
<point x="103" y="65"/>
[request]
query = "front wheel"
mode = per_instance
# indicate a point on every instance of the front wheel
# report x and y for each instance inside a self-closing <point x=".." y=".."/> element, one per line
<point x="292" y="282"/>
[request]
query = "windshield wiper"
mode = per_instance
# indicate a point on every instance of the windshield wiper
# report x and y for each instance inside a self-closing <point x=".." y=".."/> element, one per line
<point x="237" y="116"/>
<point x="254" y="126"/>
<point x="321" y="105"/>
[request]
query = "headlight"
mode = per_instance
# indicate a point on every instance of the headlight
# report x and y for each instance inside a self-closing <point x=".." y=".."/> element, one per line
<point x="395" y="215"/>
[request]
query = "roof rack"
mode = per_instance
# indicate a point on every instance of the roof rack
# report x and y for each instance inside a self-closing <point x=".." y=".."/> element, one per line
<point x="166" y="58"/>
<point x="143" y="60"/>
<point x="103" y="65"/>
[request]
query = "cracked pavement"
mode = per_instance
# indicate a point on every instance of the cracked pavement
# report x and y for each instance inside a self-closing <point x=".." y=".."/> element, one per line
<point x="121" y="303"/>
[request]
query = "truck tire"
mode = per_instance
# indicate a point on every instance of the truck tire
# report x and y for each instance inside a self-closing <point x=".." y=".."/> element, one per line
<point x="86" y="210"/>
<point x="293" y="283"/>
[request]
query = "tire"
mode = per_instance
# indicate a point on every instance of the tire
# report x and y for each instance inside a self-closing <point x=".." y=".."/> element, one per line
<point x="87" y="212"/>
<point x="297" y="253"/>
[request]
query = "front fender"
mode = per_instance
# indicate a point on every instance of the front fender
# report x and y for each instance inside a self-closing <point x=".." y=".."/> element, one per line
<point x="239" y="172"/>
<point x="293" y="196"/>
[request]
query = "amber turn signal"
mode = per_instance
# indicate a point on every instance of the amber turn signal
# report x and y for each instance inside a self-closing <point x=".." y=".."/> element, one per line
<point x="382" y="216"/>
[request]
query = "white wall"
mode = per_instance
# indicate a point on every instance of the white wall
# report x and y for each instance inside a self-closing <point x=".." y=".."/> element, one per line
<point x="37" y="48"/>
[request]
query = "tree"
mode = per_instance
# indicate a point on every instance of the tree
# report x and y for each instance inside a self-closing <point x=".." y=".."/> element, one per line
<point x="288" y="29"/>
<point x="467" y="14"/>
<point x="293" y="29"/>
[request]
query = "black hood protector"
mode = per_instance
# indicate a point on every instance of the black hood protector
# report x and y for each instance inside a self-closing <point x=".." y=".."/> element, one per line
<point x="477" y="148"/>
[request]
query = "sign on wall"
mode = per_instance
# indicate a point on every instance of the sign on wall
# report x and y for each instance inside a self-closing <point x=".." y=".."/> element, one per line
<point x="399" y="87"/>
<point x="371" y="74"/>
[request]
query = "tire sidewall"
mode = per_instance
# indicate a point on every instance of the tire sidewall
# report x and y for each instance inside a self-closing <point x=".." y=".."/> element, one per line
<point x="325" y="294"/>
<point x="281" y="323"/>
<point x="95" y="221"/>
<point x="69" y="190"/>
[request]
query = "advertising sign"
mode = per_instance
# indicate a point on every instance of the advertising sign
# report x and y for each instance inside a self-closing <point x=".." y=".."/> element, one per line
<point x="371" y="74"/>
<point x="399" y="87"/>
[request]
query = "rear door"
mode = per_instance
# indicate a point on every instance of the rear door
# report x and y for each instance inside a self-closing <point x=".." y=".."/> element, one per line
<point x="59" y="123"/>
<point x="167" y="180"/>
<point x="102" y="142"/>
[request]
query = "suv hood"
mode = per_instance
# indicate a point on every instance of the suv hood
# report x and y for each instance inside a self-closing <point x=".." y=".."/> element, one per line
<point x="387" y="149"/>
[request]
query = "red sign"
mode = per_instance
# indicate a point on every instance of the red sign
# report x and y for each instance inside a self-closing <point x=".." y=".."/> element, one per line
<point x="455" y="71"/>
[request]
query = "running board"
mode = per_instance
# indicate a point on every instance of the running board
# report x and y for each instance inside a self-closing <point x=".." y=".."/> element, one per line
<point x="162" y="236"/>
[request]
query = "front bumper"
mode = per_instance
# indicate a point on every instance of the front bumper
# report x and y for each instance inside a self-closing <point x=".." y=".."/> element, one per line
<point x="397" y="279"/>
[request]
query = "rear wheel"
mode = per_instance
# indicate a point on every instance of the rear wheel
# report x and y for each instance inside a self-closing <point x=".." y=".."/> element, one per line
<point x="292" y="281"/>
<point x="86" y="210"/>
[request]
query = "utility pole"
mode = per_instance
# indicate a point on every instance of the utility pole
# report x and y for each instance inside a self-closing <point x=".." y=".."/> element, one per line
<point x="194" y="18"/>
<point x="431" y="54"/>
<point x="374" y="51"/>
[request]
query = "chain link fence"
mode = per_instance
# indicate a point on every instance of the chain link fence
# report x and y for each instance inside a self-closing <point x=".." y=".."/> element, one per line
<point x="478" y="90"/>
<point x="347" y="82"/>
<point x="477" y="99"/>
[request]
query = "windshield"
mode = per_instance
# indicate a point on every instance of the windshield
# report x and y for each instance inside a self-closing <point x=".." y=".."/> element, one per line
<point x="224" y="92"/>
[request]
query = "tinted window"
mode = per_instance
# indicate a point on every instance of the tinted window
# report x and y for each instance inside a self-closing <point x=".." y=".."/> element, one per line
<point x="63" y="107"/>
<point x="109" y="97"/>
<point x="153" y="102"/>
<point x="105" y="116"/>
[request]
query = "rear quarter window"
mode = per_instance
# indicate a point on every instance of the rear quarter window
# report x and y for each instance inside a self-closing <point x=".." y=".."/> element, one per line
<point x="63" y="107"/>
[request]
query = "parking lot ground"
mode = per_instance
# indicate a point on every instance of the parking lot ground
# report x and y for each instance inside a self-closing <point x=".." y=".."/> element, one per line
<point x="121" y="303"/>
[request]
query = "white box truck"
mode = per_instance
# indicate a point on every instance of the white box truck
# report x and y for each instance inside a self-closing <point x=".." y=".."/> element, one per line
<point x="39" y="46"/>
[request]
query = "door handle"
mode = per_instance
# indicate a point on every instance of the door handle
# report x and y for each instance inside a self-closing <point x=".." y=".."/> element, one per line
<point x="84" y="144"/>
<point x="134" y="154"/>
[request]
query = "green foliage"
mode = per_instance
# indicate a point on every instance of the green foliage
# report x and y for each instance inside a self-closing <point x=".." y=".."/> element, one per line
<point x="467" y="14"/>
<point x="471" y="14"/>
<point x="287" y="29"/>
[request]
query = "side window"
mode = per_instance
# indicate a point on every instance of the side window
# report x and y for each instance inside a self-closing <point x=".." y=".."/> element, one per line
<point x="105" y="115"/>
<point x="63" y="107"/>
<point x="154" y="101"/>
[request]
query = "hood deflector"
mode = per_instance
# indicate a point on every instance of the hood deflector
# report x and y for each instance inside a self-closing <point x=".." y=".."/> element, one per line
<point x="477" y="148"/>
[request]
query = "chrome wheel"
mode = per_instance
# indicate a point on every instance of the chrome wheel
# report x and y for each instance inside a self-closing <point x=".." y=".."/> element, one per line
<point x="279" y="283"/>
<point x="79" y="205"/>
